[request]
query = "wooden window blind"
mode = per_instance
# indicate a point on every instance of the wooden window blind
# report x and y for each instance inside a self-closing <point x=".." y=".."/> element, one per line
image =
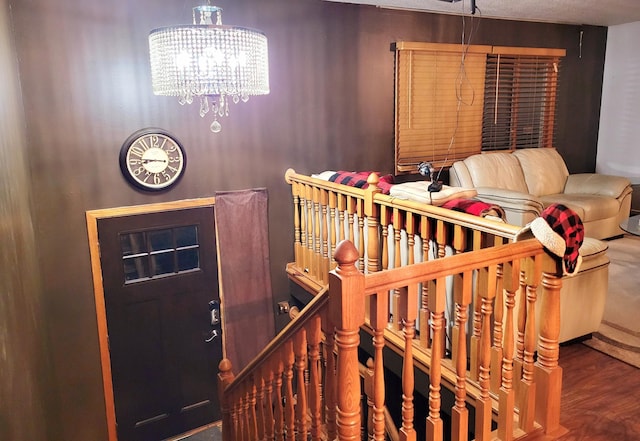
<point x="439" y="103"/>
<point x="453" y="101"/>
<point x="520" y="98"/>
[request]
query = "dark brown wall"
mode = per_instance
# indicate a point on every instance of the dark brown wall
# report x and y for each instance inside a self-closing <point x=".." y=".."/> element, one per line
<point x="84" y="76"/>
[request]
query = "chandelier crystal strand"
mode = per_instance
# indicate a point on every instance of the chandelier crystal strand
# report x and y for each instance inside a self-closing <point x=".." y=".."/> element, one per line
<point x="212" y="61"/>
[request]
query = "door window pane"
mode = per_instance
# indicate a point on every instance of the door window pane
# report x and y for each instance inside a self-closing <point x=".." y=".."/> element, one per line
<point x="161" y="252"/>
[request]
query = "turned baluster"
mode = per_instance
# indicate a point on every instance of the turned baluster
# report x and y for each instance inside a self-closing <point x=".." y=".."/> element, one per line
<point x="310" y="261"/>
<point x="351" y="214"/>
<point x="251" y="403"/>
<point x="498" y="314"/>
<point x="246" y="418"/>
<point x="378" y="317"/>
<point x="459" y="240"/>
<point x="506" y="395"/>
<point x="372" y="213"/>
<point x="408" y="312"/>
<point x="289" y="409"/>
<point x="332" y="227"/>
<point x="437" y="300"/>
<point x="361" y="250"/>
<point x="314" y="335"/>
<point x="487" y="293"/>
<point x="346" y="306"/>
<point x="411" y="238"/>
<point x="269" y="418"/>
<point x="278" y="413"/>
<point x="324" y="197"/>
<point x="330" y="381"/>
<point x="548" y="373"/>
<point x="297" y="245"/>
<point x="300" y="351"/>
<point x="462" y="286"/>
<point x="317" y="223"/>
<point x="342" y="207"/>
<point x="398" y="222"/>
<point x="527" y="390"/>
<point x="425" y="234"/>
<point x="385" y="216"/>
<point x="441" y="239"/>
<point x="260" y="405"/>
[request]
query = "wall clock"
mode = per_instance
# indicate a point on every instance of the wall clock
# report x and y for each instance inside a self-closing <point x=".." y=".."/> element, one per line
<point x="152" y="159"/>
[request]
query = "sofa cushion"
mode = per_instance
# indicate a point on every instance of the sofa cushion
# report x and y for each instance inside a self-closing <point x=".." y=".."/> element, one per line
<point x="497" y="170"/>
<point x="544" y="170"/>
<point x="589" y="207"/>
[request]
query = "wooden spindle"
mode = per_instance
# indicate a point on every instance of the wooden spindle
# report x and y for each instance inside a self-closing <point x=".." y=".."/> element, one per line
<point x="330" y="382"/>
<point x="408" y="313"/>
<point x="372" y="213"/>
<point x="462" y="284"/>
<point x="496" y="347"/>
<point x="278" y="413"/>
<point x="425" y="235"/>
<point x="324" y="215"/>
<point x="333" y="212"/>
<point x="378" y="319"/>
<point x="506" y="396"/>
<point x="437" y="300"/>
<point x="487" y="293"/>
<point x="269" y="418"/>
<point x="300" y="351"/>
<point x="289" y="409"/>
<point x="317" y="236"/>
<point x="548" y="372"/>
<point x="314" y="336"/>
<point x="260" y="405"/>
<point x="527" y="390"/>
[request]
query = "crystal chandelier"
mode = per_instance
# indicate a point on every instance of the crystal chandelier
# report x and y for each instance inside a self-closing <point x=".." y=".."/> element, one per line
<point x="214" y="62"/>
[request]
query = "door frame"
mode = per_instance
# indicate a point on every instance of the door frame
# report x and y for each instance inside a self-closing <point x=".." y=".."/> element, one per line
<point x="92" y="217"/>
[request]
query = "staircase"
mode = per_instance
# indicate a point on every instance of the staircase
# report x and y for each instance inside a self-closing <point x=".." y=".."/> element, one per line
<point x="307" y="384"/>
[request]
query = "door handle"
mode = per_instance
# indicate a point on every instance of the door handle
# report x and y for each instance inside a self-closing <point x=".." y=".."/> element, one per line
<point x="212" y="336"/>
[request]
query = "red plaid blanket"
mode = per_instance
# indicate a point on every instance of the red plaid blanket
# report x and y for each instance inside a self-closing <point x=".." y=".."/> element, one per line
<point x="475" y="207"/>
<point x="359" y="180"/>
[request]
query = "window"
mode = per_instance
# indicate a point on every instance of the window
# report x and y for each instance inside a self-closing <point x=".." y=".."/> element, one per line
<point x="520" y="96"/>
<point x="453" y="101"/>
<point x="158" y="253"/>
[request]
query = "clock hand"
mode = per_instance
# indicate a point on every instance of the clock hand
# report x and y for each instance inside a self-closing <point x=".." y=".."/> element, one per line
<point x="146" y="161"/>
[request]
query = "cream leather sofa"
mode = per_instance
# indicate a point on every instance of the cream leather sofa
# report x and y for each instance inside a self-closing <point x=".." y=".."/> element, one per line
<point x="526" y="181"/>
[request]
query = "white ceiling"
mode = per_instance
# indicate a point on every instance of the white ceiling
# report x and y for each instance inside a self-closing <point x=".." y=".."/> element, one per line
<point x="580" y="12"/>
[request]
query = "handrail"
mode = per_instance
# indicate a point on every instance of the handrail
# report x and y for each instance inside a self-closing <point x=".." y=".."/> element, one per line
<point x="288" y="332"/>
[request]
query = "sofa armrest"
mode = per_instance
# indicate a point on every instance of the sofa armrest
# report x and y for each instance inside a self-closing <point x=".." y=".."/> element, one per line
<point x="596" y="183"/>
<point x="519" y="208"/>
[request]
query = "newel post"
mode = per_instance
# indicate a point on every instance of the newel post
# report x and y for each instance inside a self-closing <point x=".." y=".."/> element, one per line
<point x="347" y="310"/>
<point x="547" y="371"/>
<point x="225" y="377"/>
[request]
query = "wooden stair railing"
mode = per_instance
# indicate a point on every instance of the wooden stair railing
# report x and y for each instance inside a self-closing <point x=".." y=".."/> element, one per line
<point x="303" y="387"/>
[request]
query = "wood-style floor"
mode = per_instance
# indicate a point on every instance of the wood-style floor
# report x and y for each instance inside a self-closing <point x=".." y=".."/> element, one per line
<point x="600" y="397"/>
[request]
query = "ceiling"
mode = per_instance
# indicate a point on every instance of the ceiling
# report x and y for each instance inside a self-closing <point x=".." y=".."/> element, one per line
<point x="579" y="12"/>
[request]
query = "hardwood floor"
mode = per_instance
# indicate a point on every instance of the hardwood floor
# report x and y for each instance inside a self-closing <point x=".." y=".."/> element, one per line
<point x="601" y="396"/>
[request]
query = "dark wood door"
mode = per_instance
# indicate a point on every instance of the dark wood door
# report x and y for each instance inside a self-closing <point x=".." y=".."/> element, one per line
<point x="160" y="275"/>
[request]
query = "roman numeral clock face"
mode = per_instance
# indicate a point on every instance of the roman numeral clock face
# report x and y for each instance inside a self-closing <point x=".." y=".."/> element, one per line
<point x="152" y="160"/>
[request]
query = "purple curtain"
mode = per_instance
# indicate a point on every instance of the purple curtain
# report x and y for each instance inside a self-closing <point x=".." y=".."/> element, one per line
<point x="243" y="253"/>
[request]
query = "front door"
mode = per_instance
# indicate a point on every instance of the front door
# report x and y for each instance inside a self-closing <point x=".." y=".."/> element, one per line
<point x="160" y="282"/>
